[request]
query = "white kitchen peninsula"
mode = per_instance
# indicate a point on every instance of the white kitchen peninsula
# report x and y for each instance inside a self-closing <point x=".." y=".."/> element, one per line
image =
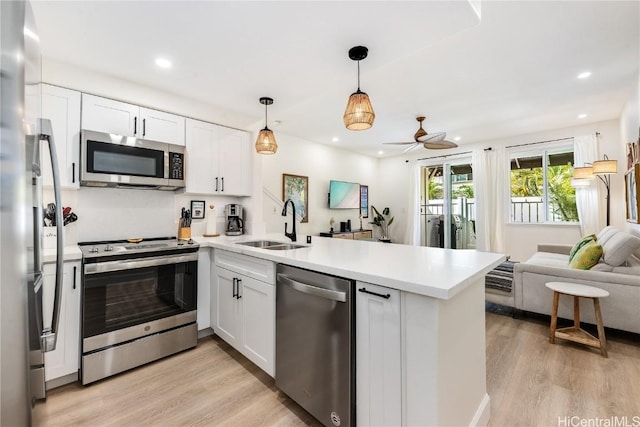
<point x="428" y="365"/>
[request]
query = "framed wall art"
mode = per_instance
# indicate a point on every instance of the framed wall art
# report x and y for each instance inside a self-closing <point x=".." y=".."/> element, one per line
<point x="197" y="209"/>
<point x="296" y="188"/>
<point x="632" y="191"/>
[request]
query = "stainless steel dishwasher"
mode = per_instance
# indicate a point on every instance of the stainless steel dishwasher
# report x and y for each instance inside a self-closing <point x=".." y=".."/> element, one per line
<point x="315" y="343"/>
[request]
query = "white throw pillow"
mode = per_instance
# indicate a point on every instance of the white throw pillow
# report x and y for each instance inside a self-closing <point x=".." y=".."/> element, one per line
<point x="605" y="234"/>
<point x="617" y="249"/>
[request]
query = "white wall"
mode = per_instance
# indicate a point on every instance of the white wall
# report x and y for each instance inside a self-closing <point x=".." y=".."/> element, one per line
<point x="320" y="163"/>
<point x="630" y="132"/>
<point x="521" y="239"/>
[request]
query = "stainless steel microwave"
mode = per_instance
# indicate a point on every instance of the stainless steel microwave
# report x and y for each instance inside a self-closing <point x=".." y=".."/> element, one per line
<point x="109" y="160"/>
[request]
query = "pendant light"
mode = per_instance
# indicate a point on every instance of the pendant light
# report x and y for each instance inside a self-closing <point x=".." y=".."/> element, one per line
<point x="359" y="114"/>
<point x="266" y="142"/>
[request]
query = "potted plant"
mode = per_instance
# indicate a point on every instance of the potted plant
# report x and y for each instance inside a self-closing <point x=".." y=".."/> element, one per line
<point x="383" y="221"/>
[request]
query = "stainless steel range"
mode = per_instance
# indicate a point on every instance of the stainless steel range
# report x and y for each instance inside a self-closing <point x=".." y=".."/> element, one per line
<point x="138" y="303"/>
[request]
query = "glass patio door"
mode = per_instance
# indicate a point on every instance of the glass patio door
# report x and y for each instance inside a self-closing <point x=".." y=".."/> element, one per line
<point x="447" y="205"/>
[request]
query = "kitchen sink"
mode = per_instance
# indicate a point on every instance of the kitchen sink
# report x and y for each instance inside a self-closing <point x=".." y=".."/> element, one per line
<point x="271" y="245"/>
<point x="261" y="243"/>
<point x="284" y="247"/>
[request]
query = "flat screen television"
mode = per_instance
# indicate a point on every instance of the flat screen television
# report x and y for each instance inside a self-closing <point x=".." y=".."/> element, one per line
<point x="344" y="195"/>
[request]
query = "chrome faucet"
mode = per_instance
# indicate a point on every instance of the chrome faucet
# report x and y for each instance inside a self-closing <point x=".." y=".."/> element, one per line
<point x="291" y="235"/>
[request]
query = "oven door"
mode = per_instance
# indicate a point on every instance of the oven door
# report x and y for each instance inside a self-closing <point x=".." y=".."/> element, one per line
<point x="126" y="299"/>
<point x="119" y="160"/>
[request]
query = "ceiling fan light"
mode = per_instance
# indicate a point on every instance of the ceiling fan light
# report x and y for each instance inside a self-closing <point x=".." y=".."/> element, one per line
<point x="359" y="113"/>
<point x="266" y="142"/>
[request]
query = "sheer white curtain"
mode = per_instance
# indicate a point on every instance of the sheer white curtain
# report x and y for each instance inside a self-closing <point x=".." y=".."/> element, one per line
<point x="491" y="181"/>
<point x="412" y="231"/>
<point x="588" y="197"/>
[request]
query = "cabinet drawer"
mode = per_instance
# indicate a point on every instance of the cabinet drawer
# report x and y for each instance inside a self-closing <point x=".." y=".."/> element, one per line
<point x="257" y="268"/>
<point x="348" y="236"/>
<point x="362" y="235"/>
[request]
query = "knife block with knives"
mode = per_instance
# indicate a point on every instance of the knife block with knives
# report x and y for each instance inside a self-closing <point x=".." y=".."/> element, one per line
<point x="184" y="225"/>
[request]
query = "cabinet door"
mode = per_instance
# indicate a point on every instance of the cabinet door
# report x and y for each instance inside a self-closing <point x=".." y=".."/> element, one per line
<point x="107" y="115"/>
<point x="204" y="289"/>
<point x="362" y="235"/>
<point x="235" y="162"/>
<point x="378" y="355"/>
<point x="62" y="107"/>
<point x="348" y="236"/>
<point x="201" y="159"/>
<point x="229" y="308"/>
<point x="258" y="322"/>
<point x="64" y="360"/>
<point x="161" y="126"/>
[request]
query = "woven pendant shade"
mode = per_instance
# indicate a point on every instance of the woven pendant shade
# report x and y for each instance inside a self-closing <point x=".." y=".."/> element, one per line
<point x="359" y="113"/>
<point x="266" y="142"/>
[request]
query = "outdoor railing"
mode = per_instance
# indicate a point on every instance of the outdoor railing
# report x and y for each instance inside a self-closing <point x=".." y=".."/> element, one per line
<point x="522" y="210"/>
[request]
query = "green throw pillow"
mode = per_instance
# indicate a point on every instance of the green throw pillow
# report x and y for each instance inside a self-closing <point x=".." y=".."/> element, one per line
<point x="580" y="243"/>
<point x="587" y="256"/>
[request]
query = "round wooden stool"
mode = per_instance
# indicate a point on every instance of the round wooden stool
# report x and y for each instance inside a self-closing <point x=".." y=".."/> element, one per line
<point x="575" y="333"/>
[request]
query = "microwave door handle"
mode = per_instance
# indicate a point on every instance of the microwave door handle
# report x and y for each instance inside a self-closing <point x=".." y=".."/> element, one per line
<point x="49" y="335"/>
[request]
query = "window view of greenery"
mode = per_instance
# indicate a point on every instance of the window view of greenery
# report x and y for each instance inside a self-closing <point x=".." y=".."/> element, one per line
<point x="531" y="199"/>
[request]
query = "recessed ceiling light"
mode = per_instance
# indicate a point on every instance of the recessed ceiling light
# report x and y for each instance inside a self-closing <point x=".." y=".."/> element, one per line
<point x="277" y="122"/>
<point x="457" y="138"/>
<point x="582" y="116"/>
<point x="584" y="74"/>
<point x="335" y="139"/>
<point x="380" y="152"/>
<point x="163" y="63"/>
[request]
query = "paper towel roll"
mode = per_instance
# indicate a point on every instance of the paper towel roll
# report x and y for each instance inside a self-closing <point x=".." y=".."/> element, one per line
<point x="211" y="222"/>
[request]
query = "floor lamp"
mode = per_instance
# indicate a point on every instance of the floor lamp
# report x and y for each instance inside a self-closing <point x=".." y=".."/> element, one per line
<point x="602" y="169"/>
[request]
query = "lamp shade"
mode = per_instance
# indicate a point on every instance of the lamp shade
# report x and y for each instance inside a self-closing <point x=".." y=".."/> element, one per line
<point x="585" y="172"/>
<point x="602" y="167"/>
<point x="359" y="113"/>
<point x="266" y="142"/>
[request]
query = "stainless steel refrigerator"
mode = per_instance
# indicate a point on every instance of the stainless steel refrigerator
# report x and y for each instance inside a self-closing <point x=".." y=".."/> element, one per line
<point x="23" y="337"/>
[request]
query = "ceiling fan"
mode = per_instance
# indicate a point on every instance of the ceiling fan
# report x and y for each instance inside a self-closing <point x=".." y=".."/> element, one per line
<point x="434" y="141"/>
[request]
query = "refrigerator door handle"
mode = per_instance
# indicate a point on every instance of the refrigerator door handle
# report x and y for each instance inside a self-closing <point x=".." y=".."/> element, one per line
<point x="49" y="335"/>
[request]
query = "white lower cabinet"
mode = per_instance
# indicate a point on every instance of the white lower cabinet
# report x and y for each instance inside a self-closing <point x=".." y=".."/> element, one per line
<point x="204" y="288"/>
<point x="243" y="293"/>
<point x="378" y="356"/>
<point x="64" y="360"/>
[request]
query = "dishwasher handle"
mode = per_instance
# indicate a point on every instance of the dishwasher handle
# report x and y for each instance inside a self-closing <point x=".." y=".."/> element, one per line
<point x="312" y="290"/>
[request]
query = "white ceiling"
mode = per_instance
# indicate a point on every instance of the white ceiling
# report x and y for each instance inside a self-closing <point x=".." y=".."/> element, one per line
<point x="511" y="72"/>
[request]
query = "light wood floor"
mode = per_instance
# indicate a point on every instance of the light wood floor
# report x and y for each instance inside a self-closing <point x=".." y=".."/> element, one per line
<point x="530" y="382"/>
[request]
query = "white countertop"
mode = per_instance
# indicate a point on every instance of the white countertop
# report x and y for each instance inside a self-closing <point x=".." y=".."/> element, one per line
<point x="71" y="253"/>
<point x="434" y="272"/>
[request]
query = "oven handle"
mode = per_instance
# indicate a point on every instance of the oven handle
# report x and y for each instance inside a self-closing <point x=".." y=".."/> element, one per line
<point x="128" y="264"/>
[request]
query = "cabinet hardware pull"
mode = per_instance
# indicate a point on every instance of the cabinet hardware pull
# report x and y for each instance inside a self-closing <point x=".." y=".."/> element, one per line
<point x="239" y="282"/>
<point x="216" y="183"/>
<point x="144" y="127"/>
<point x="73" y="173"/>
<point x="234" y="287"/>
<point x="74" y="277"/>
<point x="135" y="126"/>
<point x="222" y="179"/>
<point x="387" y="296"/>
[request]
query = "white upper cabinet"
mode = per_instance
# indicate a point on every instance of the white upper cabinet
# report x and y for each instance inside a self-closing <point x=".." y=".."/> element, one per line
<point x="62" y="107"/>
<point x="218" y="160"/>
<point x="107" y="115"/>
<point x="161" y="126"/>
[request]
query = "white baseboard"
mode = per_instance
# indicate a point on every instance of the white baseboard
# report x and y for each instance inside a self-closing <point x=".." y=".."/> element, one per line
<point x="482" y="415"/>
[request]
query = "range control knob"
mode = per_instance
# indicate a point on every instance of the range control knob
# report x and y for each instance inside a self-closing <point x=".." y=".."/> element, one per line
<point x="190" y="242"/>
<point x="108" y="248"/>
<point x="93" y="250"/>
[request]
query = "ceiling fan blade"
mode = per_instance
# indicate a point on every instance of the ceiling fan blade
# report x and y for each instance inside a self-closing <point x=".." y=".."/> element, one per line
<point x="439" y="145"/>
<point x="409" y="149"/>
<point x="433" y="137"/>
<point x="399" y="143"/>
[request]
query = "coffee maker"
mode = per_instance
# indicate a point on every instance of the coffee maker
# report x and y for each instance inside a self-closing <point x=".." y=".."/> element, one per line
<point x="233" y="220"/>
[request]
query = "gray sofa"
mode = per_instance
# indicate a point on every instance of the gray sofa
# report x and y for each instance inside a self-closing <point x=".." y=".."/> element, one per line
<point x="617" y="272"/>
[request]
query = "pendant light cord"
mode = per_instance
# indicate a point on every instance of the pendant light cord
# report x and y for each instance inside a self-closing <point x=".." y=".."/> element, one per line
<point x="265" y="117"/>
<point x="358" y="76"/>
